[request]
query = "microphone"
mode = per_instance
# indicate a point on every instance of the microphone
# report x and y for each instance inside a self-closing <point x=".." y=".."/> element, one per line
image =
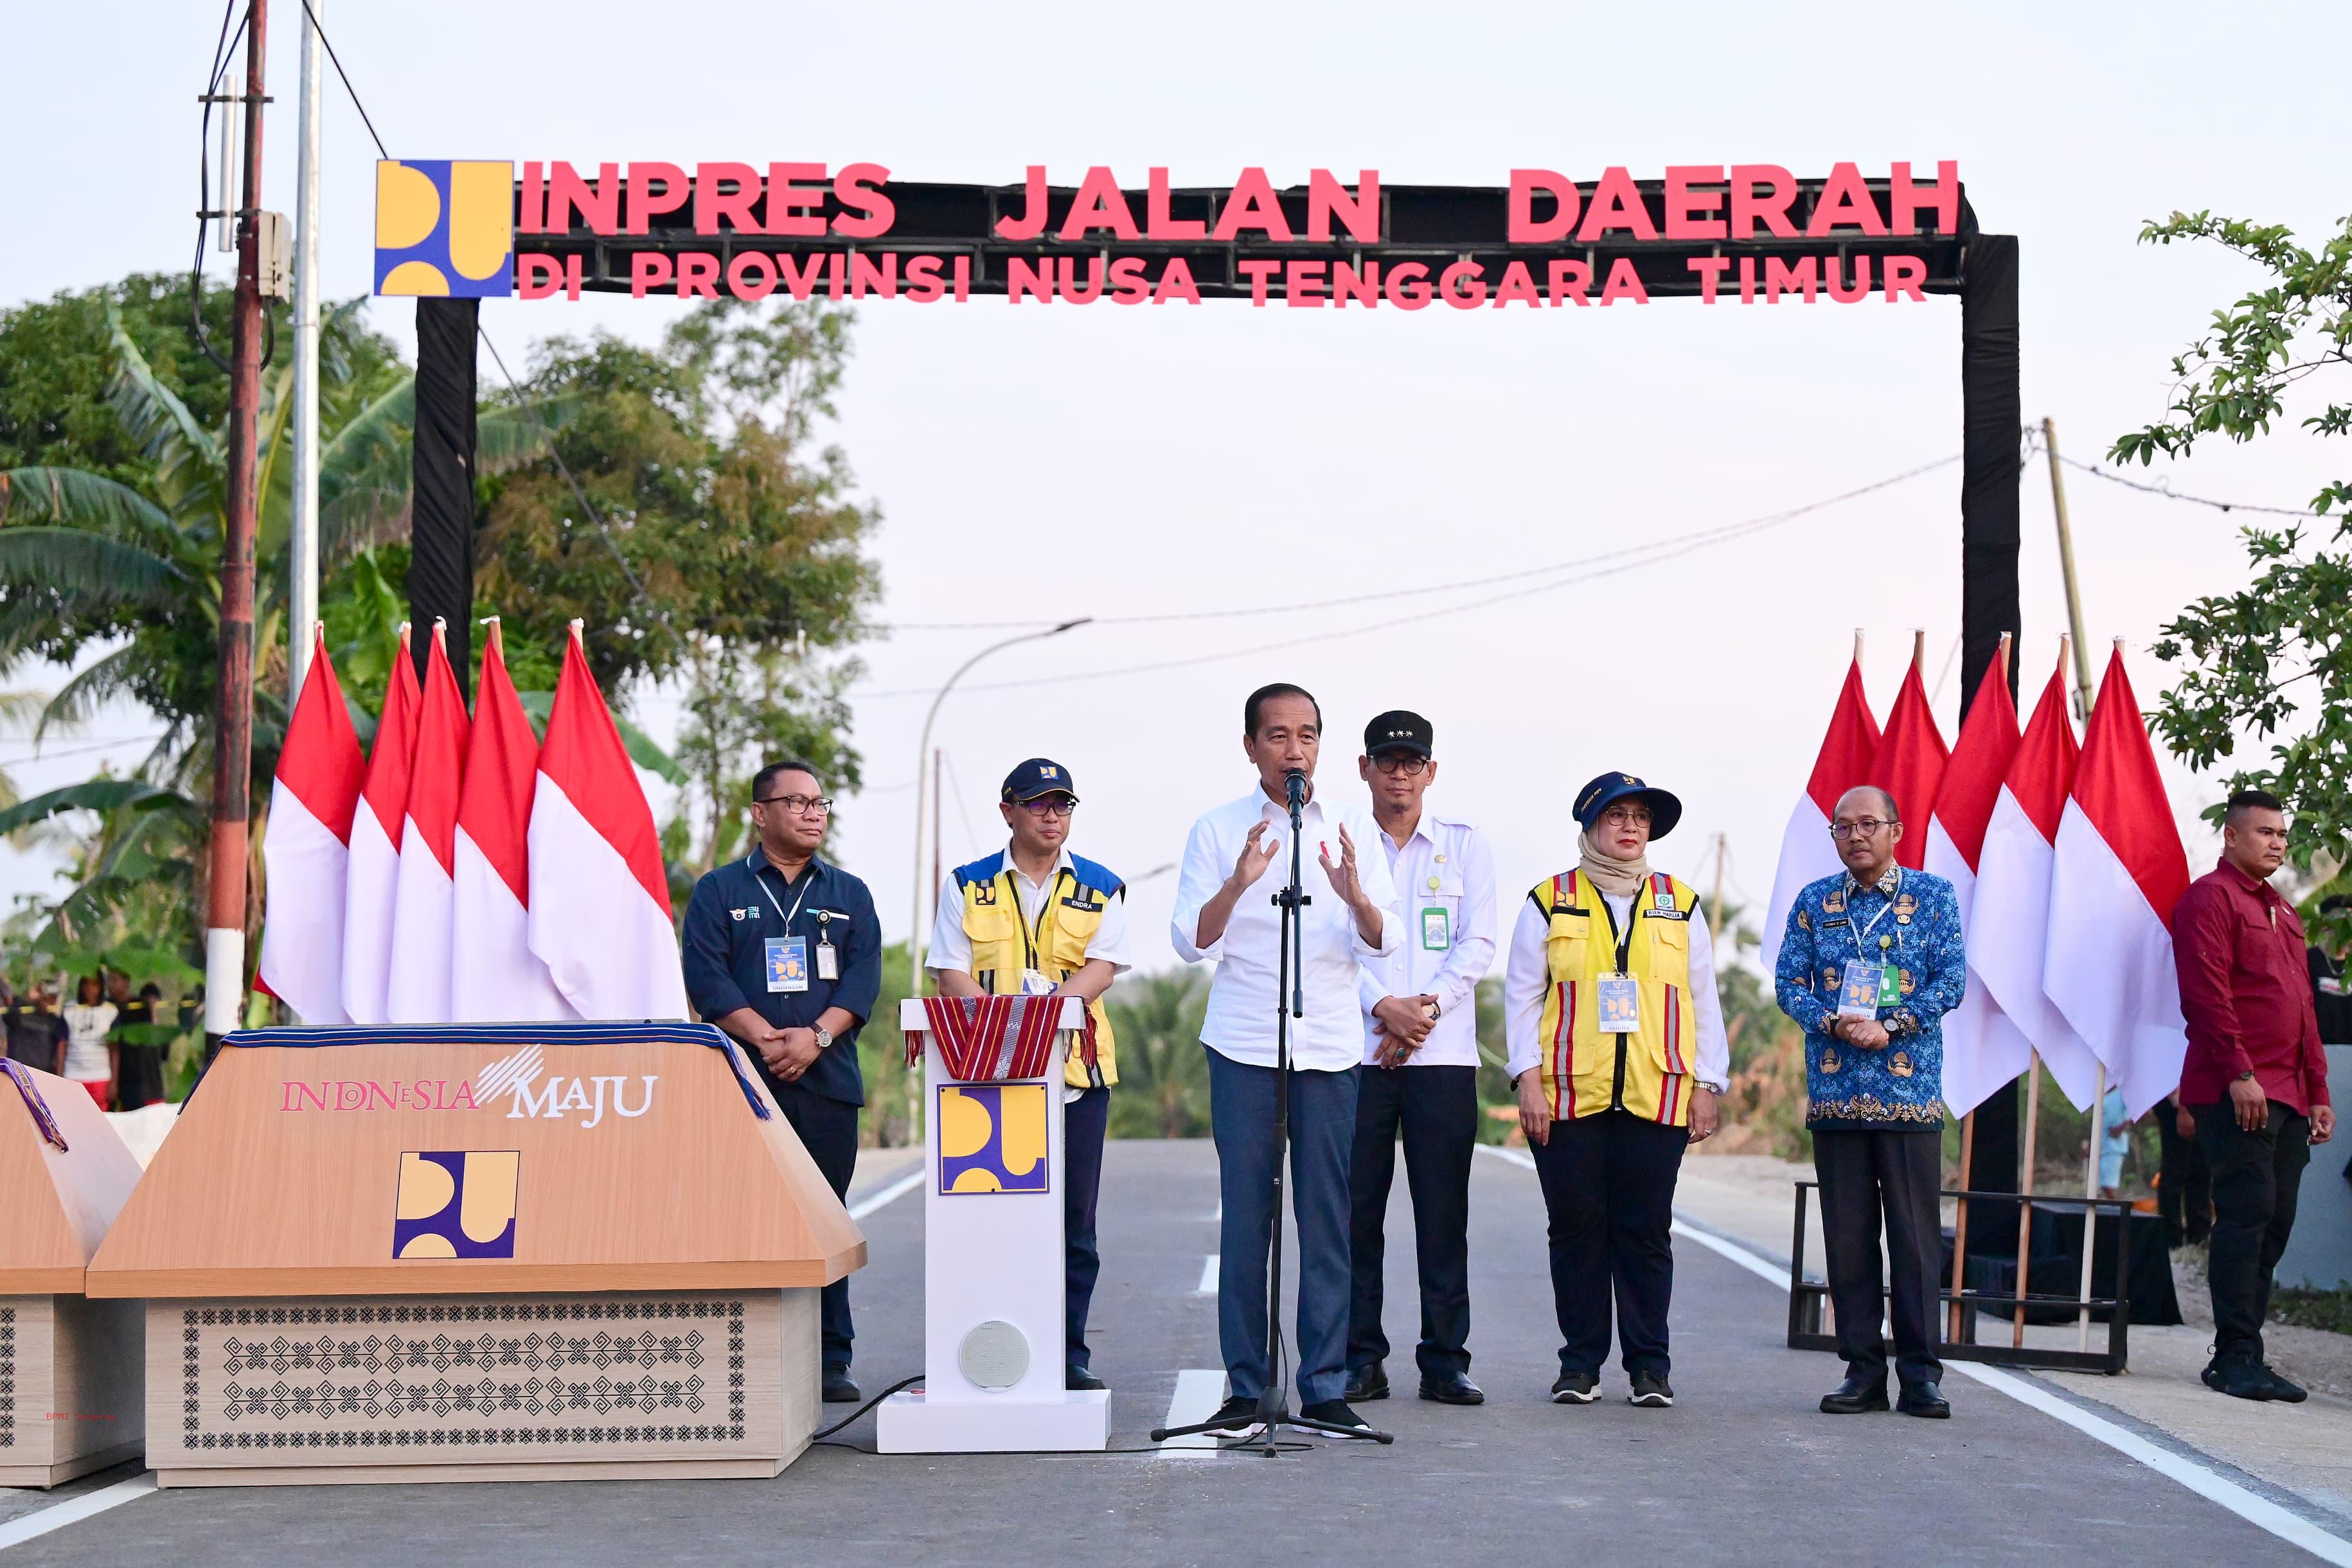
<point x="1294" y="785"/>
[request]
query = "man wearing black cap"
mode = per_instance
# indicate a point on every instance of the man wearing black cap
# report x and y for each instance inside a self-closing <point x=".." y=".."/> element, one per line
<point x="1420" y="1077"/>
<point x="1618" y="1053"/>
<point x="1033" y="919"/>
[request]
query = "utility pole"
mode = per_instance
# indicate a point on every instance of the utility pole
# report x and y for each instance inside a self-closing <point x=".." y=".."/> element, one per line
<point x="225" y="892"/>
<point x="2066" y="565"/>
<point x="1715" y="901"/>
<point x="304" y="543"/>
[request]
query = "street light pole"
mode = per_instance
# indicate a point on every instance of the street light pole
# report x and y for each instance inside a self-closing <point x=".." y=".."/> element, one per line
<point x="915" y="932"/>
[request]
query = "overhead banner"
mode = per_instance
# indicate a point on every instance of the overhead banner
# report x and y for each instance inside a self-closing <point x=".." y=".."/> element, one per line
<point x="1751" y="232"/>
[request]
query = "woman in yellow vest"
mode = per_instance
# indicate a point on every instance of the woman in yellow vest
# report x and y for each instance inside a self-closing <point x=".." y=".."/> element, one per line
<point x="1618" y="1054"/>
<point x="1035" y="920"/>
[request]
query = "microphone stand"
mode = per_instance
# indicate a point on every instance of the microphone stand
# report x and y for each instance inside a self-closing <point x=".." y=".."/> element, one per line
<point x="1289" y="1001"/>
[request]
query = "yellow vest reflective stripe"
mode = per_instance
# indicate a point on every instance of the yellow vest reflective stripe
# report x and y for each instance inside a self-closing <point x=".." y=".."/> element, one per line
<point x="1003" y="944"/>
<point x="1581" y="1065"/>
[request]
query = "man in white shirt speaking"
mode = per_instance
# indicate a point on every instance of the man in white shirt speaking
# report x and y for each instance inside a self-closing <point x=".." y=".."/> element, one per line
<point x="1420" y="1077"/>
<point x="1236" y="862"/>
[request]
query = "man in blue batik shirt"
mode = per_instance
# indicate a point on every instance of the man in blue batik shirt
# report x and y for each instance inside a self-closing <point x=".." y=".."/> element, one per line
<point x="1871" y="963"/>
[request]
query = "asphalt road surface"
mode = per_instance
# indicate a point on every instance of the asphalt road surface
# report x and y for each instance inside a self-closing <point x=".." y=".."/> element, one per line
<point x="1744" y="1469"/>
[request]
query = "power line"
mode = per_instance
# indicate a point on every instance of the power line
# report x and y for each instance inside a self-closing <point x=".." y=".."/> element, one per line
<point x="2167" y="491"/>
<point x="1703" y="535"/>
<point x="1649" y="555"/>
<point x="348" y="90"/>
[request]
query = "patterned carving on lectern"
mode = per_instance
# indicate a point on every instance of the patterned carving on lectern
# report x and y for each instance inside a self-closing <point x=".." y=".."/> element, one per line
<point x="575" y="1373"/>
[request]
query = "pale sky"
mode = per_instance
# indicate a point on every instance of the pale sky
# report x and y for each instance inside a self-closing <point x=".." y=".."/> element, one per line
<point x="1042" y="462"/>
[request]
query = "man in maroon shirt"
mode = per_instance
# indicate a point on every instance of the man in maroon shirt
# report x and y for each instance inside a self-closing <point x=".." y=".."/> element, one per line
<point x="2255" y="1079"/>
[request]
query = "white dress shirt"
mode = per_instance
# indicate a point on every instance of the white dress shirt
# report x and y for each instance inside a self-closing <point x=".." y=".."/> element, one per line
<point x="1446" y="867"/>
<point x="952" y="946"/>
<point x="1240" y="1020"/>
<point x="1528" y="975"/>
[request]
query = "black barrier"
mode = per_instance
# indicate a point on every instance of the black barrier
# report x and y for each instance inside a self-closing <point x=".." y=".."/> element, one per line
<point x="1808" y="1298"/>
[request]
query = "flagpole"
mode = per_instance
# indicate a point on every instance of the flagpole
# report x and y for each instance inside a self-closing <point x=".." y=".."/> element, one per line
<point x="2025" y="1196"/>
<point x="1967" y="1146"/>
<point x="2098" y="1095"/>
<point x="2067" y="568"/>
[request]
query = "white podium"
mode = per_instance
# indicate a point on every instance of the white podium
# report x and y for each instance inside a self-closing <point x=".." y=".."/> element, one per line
<point x="994" y="1314"/>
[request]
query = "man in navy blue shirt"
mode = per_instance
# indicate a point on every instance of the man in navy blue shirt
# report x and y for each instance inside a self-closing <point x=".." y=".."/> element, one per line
<point x="784" y="952"/>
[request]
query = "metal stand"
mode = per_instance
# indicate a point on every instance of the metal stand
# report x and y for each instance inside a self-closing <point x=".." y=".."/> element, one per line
<point x="1289" y="1001"/>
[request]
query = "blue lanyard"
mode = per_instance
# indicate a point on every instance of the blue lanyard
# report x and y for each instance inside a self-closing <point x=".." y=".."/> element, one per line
<point x="752" y="860"/>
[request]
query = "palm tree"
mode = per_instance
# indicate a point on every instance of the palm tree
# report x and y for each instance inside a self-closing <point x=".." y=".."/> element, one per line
<point x="1163" y="1076"/>
<point x="84" y="559"/>
<point x="87" y="562"/>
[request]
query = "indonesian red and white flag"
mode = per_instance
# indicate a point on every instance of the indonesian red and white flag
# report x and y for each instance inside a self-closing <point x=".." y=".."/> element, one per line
<point x="2119" y="869"/>
<point x="1983" y="1050"/>
<point x="1909" y="766"/>
<point x="306" y="853"/>
<point x="2009" y="919"/>
<point x="371" y="882"/>
<point x="600" y="910"/>
<point x="417" y="988"/>
<point x="494" y="976"/>
<point x="1807" y="852"/>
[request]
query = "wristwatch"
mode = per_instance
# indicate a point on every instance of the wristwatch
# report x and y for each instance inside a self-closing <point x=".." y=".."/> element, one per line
<point x="824" y="1036"/>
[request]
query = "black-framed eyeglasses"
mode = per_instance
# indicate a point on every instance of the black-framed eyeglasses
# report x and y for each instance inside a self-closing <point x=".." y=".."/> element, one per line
<point x="800" y="805"/>
<point x="1864" y="827"/>
<point x="1050" y="806"/>
<point x="1403" y="763"/>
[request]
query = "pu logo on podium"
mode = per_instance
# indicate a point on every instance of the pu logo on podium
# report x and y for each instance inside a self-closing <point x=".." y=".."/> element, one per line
<point x="456" y="1204"/>
<point x="445" y="227"/>
<point x="993" y="1138"/>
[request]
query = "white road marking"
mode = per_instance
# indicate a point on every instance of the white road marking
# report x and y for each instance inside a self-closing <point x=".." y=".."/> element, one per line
<point x="1207" y="1285"/>
<point x="1198" y="1392"/>
<point x="57" y="1516"/>
<point x="2251" y="1507"/>
<point x="891" y="1193"/>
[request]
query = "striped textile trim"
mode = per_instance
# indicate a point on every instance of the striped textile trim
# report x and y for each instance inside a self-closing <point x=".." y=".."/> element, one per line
<point x="35" y="1105"/>
<point x="508" y="1034"/>
<point x="1670" y="1098"/>
<point x="1673" y="1024"/>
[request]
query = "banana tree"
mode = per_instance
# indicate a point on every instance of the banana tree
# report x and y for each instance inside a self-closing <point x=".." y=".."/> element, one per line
<point x="84" y="561"/>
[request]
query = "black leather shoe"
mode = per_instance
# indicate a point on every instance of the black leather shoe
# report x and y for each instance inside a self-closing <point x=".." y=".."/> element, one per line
<point x="1575" y="1388"/>
<point x="2283" y="1391"/>
<point x="1080" y="1381"/>
<point x="1369" y="1383"/>
<point x="1854" y="1396"/>
<point x="839" y="1387"/>
<point x="1924" y="1399"/>
<point x="2239" y="1377"/>
<point x="1452" y="1388"/>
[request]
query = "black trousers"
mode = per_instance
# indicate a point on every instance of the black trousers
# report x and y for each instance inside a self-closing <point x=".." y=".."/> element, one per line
<point x="1435" y="1109"/>
<point x="828" y="1130"/>
<point x="1895" y="1175"/>
<point x="2256" y="1177"/>
<point x="1084" y="1121"/>
<point x="1609" y="1193"/>
<point x="2184" y="1187"/>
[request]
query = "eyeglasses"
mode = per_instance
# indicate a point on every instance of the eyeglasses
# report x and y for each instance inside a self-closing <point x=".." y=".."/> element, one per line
<point x="1866" y="827"/>
<point x="1403" y="763"/>
<point x="800" y="805"/>
<point x="1050" y="806"/>
<point x="1627" y="815"/>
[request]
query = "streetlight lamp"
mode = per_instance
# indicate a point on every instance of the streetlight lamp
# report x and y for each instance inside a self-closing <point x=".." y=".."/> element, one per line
<point x="915" y="932"/>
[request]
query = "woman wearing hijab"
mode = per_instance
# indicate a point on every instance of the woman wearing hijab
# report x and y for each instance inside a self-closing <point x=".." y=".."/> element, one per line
<point x="1618" y="1055"/>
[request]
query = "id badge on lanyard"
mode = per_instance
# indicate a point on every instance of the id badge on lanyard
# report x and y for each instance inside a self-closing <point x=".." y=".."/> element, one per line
<point x="1620" y="1000"/>
<point x="787" y="956"/>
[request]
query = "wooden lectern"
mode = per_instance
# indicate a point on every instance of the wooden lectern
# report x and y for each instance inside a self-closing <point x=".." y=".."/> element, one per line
<point x="994" y="1321"/>
<point x="69" y="1398"/>
<point x="507" y="1252"/>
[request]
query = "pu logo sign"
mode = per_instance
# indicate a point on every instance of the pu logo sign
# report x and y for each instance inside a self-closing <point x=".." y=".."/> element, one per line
<point x="993" y="1138"/>
<point x="456" y="1204"/>
<point x="445" y="227"/>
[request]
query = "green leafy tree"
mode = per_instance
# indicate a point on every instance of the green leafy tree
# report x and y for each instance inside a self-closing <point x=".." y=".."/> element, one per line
<point x="1163" y="1088"/>
<point x="2272" y="659"/>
